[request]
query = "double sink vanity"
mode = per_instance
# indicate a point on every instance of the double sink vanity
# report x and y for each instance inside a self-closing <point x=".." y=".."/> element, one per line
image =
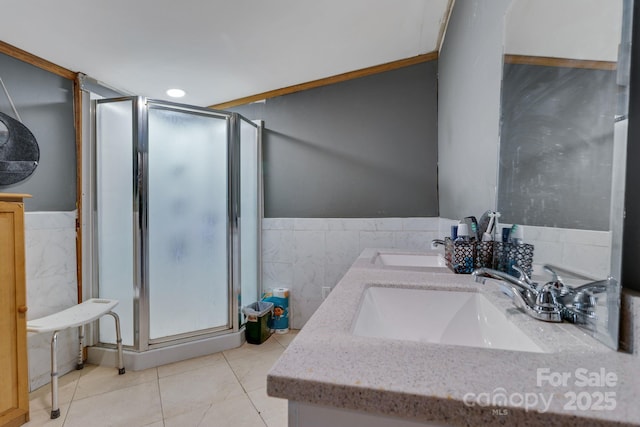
<point x="403" y="341"/>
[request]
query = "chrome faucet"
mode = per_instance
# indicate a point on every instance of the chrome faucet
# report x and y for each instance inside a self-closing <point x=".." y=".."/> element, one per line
<point x="554" y="301"/>
<point x="579" y="302"/>
<point x="436" y="242"/>
<point x="538" y="302"/>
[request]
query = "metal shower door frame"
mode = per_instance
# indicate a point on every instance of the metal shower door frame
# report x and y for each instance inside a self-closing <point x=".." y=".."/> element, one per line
<point x="140" y="164"/>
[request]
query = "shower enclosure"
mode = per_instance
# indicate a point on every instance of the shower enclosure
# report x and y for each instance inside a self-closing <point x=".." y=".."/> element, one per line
<point x="177" y="226"/>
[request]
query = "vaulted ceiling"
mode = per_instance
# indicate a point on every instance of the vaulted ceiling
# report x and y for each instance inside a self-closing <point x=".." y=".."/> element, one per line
<point x="221" y="50"/>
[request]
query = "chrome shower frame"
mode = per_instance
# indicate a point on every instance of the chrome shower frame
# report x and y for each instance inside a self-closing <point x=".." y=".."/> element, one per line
<point x="141" y="286"/>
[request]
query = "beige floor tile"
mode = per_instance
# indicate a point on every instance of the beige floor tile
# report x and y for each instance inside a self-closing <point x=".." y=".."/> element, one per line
<point x="190" y="364"/>
<point x="285" y="339"/>
<point x="41" y="398"/>
<point x="269" y="408"/>
<point x="236" y="412"/>
<point x="252" y="370"/>
<point x="190" y="390"/>
<point x="247" y="349"/>
<point x="95" y="380"/>
<point x="222" y="389"/>
<point x="138" y="405"/>
<point x="42" y="416"/>
<point x="277" y="421"/>
<point x="193" y="418"/>
<point x="157" y="424"/>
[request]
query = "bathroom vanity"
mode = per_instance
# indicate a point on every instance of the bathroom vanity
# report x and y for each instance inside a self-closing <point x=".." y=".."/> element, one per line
<point x="335" y="374"/>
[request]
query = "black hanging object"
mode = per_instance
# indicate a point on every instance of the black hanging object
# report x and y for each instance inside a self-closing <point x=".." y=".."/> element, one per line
<point x="19" y="152"/>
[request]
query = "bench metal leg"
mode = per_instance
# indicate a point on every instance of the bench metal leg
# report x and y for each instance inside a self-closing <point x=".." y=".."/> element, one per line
<point x="80" y="364"/>
<point x="119" y="342"/>
<point x="55" y="411"/>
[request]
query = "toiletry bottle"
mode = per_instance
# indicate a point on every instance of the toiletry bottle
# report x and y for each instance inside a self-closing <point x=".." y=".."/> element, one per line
<point x="506" y="234"/>
<point x="516" y="235"/>
<point x="462" y="247"/>
<point x="463" y="233"/>
<point x="515" y="238"/>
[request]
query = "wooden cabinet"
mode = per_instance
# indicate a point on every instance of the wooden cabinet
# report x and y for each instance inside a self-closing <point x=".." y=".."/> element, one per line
<point x="14" y="377"/>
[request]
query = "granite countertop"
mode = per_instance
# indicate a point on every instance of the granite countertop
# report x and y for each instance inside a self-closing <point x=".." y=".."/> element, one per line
<point x="327" y="365"/>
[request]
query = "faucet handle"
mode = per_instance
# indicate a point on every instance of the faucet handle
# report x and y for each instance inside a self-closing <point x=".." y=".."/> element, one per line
<point x="524" y="276"/>
<point x="596" y="287"/>
<point x="556" y="282"/>
<point x="554" y="275"/>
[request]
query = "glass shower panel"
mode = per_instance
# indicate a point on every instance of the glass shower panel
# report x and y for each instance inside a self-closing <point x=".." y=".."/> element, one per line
<point x="250" y="214"/>
<point x="115" y="214"/>
<point x="188" y="193"/>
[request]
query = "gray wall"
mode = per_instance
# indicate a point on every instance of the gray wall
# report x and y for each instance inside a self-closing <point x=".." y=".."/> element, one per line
<point x="362" y="148"/>
<point x="556" y="146"/>
<point x="469" y="107"/>
<point x="45" y="103"/>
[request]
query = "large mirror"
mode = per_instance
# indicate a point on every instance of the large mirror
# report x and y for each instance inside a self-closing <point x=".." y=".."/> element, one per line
<point x="563" y="138"/>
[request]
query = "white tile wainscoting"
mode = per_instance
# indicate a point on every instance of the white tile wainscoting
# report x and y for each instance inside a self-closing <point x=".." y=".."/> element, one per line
<point x="50" y="246"/>
<point x="307" y="254"/>
<point x="303" y="254"/>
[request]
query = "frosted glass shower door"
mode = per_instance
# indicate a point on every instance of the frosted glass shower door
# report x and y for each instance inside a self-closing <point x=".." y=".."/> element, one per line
<point x="188" y="210"/>
<point x="250" y="212"/>
<point x="115" y="214"/>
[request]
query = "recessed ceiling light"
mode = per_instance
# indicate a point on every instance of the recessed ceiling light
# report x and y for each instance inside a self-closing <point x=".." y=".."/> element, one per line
<point x="176" y="93"/>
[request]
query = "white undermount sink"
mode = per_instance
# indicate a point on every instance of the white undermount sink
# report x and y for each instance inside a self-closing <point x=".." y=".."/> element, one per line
<point x="439" y="317"/>
<point x="393" y="259"/>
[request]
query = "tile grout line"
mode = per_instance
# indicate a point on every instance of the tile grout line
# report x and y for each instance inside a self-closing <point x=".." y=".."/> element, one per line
<point x="75" y="389"/>
<point x="86" y="373"/>
<point x="160" y="395"/>
<point x="244" y="390"/>
<point x="108" y="391"/>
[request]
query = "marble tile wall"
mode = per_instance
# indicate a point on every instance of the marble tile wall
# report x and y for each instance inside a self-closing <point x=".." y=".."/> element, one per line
<point x="301" y="254"/>
<point x="306" y="254"/>
<point x="579" y="250"/>
<point x="50" y="245"/>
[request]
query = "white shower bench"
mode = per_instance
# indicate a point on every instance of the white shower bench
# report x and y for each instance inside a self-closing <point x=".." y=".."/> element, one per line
<point x="78" y="315"/>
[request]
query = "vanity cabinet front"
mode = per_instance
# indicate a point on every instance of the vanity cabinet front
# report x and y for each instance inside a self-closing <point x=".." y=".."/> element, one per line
<point x="14" y="378"/>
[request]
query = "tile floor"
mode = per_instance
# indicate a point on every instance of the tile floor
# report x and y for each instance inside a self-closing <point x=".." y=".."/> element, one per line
<point x="221" y="389"/>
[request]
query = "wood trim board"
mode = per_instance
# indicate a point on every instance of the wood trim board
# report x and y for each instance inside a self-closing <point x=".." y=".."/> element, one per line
<point x="32" y="59"/>
<point x="559" y="62"/>
<point x="363" y="72"/>
<point x="41" y="63"/>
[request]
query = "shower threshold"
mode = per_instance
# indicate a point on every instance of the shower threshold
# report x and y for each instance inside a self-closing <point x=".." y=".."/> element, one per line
<point x="138" y="361"/>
